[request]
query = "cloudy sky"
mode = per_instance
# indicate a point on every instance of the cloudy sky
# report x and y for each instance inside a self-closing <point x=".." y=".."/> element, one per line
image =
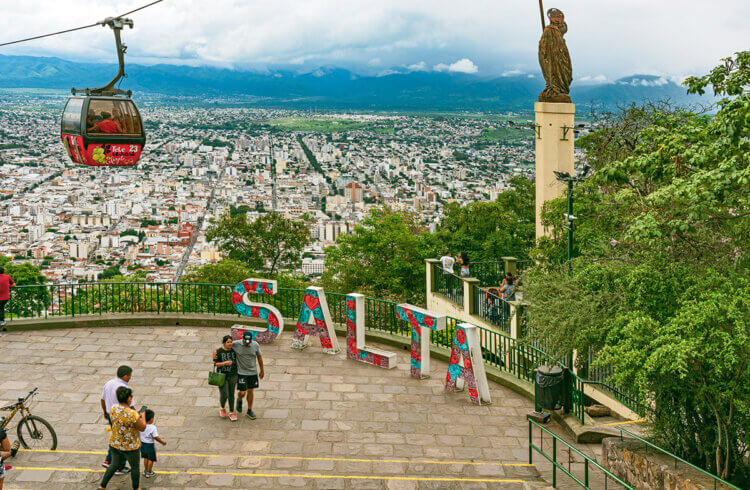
<point x="607" y="38"/>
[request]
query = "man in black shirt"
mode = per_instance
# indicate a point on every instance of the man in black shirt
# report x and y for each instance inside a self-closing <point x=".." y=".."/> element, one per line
<point x="225" y="360"/>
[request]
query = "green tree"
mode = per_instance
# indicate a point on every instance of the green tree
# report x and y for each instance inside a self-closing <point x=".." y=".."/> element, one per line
<point x="383" y="257"/>
<point x="660" y="288"/>
<point x="26" y="301"/>
<point x="268" y="244"/>
<point x="490" y="230"/>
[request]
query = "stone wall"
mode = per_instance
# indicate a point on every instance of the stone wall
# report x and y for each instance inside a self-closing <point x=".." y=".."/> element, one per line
<point x="644" y="468"/>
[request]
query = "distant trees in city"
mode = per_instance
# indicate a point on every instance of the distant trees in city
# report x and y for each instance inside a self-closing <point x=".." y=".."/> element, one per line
<point x="383" y="257"/>
<point x="26" y="300"/>
<point x="660" y="289"/>
<point x="269" y="243"/>
<point x="492" y="229"/>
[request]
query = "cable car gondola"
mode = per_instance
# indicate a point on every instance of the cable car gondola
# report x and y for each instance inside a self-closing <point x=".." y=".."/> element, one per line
<point x="102" y="127"/>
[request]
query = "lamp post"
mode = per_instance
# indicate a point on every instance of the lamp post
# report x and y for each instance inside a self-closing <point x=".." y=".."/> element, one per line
<point x="569" y="217"/>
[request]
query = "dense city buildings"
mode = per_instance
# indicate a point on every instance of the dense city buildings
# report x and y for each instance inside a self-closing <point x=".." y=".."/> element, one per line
<point x="81" y="223"/>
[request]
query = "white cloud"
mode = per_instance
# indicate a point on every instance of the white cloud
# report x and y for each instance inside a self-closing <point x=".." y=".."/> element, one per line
<point x="350" y="33"/>
<point x="421" y="66"/>
<point x="464" y="65"/>
<point x="592" y="79"/>
<point x="657" y="82"/>
<point x="512" y="73"/>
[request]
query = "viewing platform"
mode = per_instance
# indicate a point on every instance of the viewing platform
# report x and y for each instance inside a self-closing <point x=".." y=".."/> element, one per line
<point x="324" y="421"/>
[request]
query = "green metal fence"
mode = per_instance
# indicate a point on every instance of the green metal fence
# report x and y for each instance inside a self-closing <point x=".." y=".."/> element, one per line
<point x="593" y="474"/>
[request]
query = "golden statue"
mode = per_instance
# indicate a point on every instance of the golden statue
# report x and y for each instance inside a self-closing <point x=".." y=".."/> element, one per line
<point x="555" y="59"/>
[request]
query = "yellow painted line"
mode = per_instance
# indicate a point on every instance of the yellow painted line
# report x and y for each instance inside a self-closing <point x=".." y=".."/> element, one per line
<point x="301" y="458"/>
<point x="288" y="475"/>
<point x="623" y="423"/>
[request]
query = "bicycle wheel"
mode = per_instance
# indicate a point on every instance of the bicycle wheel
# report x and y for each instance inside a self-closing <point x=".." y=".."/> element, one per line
<point x="36" y="433"/>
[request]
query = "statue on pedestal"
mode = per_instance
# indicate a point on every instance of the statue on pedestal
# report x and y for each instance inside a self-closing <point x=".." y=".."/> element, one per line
<point x="555" y="59"/>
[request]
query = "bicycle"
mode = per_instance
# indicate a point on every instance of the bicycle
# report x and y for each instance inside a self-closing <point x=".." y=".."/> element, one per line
<point x="33" y="432"/>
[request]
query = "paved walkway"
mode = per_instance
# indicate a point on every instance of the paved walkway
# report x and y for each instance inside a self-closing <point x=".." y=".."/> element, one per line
<point x="323" y="421"/>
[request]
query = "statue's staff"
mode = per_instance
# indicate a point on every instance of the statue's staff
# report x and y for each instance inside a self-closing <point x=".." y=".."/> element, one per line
<point x="541" y="12"/>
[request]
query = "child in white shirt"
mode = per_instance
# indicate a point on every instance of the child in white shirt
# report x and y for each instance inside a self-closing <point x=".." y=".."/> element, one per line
<point x="148" y="449"/>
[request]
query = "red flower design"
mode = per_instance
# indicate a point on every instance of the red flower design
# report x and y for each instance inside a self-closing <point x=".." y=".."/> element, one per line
<point x="473" y="393"/>
<point x="311" y="302"/>
<point x="377" y="360"/>
<point x="320" y="323"/>
<point x="236" y="298"/>
<point x="454" y="357"/>
<point x="350" y="305"/>
<point x="467" y="363"/>
<point x="272" y="320"/>
<point x="255" y="312"/>
<point x="326" y="343"/>
<point x="265" y="289"/>
<point x="428" y="321"/>
<point x="301" y="329"/>
<point x="448" y="377"/>
<point x="460" y="336"/>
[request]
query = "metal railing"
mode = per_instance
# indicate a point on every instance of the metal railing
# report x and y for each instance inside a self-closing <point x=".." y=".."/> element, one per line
<point x="489" y="273"/>
<point x="597" y="374"/>
<point x="717" y="482"/>
<point x="602" y="478"/>
<point x="491" y="307"/>
<point x="447" y="284"/>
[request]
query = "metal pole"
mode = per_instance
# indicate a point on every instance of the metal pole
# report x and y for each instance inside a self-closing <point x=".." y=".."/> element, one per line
<point x="570" y="226"/>
<point x="541" y="12"/>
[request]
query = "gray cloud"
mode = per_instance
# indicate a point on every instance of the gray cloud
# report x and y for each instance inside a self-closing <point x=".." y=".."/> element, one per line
<point x="610" y="39"/>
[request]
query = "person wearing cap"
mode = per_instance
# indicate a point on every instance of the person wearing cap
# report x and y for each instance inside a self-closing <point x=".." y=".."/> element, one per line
<point x="249" y="370"/>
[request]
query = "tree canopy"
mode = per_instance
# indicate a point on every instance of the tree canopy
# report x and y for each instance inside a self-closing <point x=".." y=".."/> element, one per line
<point x="660" y="287"/>
<point x="269" y="243"/>
<point x="383" y="256"/>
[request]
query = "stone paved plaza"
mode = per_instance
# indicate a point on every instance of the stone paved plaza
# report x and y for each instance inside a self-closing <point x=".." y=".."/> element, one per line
<point x="325" y="421"/>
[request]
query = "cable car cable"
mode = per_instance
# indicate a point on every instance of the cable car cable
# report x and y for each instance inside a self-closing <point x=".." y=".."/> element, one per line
<point x="78" y="28"/>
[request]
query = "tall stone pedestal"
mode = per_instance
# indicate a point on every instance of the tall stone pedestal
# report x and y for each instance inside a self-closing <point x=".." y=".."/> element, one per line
<point x="554" y="152"/>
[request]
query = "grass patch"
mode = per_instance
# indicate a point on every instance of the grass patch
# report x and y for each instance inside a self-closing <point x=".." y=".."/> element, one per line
<point x="506" y="135"/>
<point x="309" y="125"/>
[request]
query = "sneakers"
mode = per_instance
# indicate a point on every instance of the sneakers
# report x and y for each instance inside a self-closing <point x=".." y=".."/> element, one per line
<point x="149" y="474"/>
<point x="105" y="464"/>
<point x="14" y="448"/>
<point x="239" y="406"/>
<point x="123" y="471"/>
<point x="251" y="415"/>
<point x="233" y="417"/>
<point x="222" y="413"/>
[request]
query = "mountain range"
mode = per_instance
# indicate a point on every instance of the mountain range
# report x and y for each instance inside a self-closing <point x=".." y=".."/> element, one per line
<point x="335" y="88"/>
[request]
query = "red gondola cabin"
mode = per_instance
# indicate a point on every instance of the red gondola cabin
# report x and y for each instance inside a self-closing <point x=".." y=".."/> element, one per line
<point x="102" y="131"/>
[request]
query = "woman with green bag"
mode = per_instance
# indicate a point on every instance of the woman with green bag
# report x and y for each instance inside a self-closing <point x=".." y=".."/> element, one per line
<point x="225" y="361"/>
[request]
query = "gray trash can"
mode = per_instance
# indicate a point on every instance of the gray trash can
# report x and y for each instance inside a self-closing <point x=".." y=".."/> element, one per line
<point x="549" y="387"/>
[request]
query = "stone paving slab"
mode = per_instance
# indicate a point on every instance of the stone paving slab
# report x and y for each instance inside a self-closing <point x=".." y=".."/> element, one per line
<point x="317" y="415"/>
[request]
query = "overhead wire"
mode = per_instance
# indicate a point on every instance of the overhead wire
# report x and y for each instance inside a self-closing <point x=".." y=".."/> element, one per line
<point x="77" y="28"/>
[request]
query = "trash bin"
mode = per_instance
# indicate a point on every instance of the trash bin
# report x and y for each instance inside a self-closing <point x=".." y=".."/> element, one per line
<point x="549" y="387"/>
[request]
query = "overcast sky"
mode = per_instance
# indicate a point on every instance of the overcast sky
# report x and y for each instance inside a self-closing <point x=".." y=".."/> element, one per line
<point x="607" y="38"/>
